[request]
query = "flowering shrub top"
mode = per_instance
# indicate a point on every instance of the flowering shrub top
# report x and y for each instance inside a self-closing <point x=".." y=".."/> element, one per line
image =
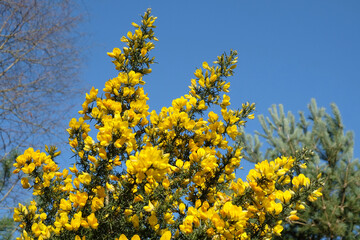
<point x="158" y="175"/>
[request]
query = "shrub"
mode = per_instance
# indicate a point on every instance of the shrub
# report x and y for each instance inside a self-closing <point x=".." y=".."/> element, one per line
<point x="165" y="175"/>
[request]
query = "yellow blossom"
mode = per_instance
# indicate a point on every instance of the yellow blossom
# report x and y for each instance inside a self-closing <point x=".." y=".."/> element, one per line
<point x="92" y="221"/>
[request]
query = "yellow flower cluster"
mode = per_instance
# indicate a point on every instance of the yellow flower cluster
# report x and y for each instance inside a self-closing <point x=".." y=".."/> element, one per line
<point x="158" y="175"/>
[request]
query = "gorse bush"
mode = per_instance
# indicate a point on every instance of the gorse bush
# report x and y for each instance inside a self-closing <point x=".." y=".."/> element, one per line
<point x="166" y="175"/>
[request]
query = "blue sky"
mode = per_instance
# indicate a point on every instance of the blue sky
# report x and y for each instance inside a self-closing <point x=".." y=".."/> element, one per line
<point x="289" y="51"/>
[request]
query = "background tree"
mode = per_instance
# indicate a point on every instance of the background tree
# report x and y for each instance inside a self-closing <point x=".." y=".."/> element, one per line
<point x="38" y="74"/>
<point x="337" y="214"/>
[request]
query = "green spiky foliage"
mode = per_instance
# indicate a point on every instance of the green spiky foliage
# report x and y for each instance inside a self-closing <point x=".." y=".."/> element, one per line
<point x="7" y="184"/>
<point x="321" y="140"/>
<point x="7" y="228"/>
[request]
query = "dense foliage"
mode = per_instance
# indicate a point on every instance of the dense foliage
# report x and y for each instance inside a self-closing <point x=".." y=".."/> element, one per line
<point x="165" y="175"/>
<point x="330" y="153"/>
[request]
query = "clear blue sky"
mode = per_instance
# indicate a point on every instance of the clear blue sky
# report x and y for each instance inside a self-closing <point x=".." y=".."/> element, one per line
<point x="289" y="51"/>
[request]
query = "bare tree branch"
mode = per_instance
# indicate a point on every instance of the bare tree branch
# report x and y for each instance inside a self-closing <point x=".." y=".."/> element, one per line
<point x="39" y="62"/>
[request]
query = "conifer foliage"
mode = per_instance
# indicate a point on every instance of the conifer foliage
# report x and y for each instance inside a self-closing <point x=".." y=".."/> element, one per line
<point x="165" y="175"/>
<point x="329" y="152"/>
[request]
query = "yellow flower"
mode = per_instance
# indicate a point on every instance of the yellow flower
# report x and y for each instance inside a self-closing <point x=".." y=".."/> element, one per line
<point x="278" y="229"/>
<point x="28" y="168"/>
<point x="169" y="218"/>
<point x="251" y="116"/>
<point x="166" y="235"/>
<point x="135" y="221"/>
<point x="153" y="219"/>
<point x="287" y="196"/>
<point x="43" y="216"/>
<point x="218" y="222"/>
<point x="77" y="237"/>
<point x="135" y="237"/>
<point x="73" y="169"/>
<point x="202" y="105"/>
<point x="138" y="198"/>
<point x="128" y="212"/>
<point x="85" y="178"/>
<point x="122" y="237"/>
<point x="315" y="194"/>
<point x="300" y="180"/>
<point x="150" y="207"/>
<point x="213" y="117"/>
<point x="232" y="131"/>
<point x="75" y="222"/>
<point x="182" y="208"/>
<point x="225" y="102"/>
<point x="277" y="207"/>
<point x="205" y="65"/>
<point x="60" y="222"/>
<point x="92" y="221"/>
<point x="97" y="203"/>
<point x="79" y="199"/>
<point x="166" y="183"/>
<point x="65" y="205"/>
<point x="25" y="183"/>
<point x="110" y="187"/>
<point x="140" y="164"/>
<point x="293" y="216"/>
<point x="40" y="230"/>
<point x="73" y="143"/>
<point x="115" y="53"/>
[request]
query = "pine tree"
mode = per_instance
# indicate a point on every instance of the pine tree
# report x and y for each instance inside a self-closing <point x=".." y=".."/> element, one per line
<point x="329" y="152"/>
<point x="166" y="175"/>
<point x="7" y="183"/>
